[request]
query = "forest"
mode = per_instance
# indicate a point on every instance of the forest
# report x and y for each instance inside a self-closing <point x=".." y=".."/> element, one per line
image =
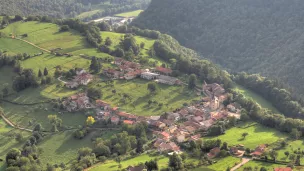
<point x="67" y="8"/>
<point x="241" y="35"/>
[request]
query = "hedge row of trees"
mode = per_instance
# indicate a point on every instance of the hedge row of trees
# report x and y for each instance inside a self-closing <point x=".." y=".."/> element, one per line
<point x="271" y="90"/>
<point x="266" y="117"/>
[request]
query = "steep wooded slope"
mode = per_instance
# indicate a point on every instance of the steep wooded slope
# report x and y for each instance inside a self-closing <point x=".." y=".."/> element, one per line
<point x="242" y="35"/>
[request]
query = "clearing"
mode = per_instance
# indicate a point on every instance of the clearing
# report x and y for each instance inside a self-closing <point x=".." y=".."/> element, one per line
<point x="130" y="14"/>
<point x="257" y="134"/>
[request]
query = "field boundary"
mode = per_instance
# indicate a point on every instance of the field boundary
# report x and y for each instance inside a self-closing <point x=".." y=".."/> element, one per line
<point x="10" y="123"/>
<point x="30" y="43"/>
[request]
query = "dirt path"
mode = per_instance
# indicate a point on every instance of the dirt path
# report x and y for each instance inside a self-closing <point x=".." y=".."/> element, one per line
<point x="14" y="125"/>
<point x="244" y="161"/>
<point x="34" y="45"/>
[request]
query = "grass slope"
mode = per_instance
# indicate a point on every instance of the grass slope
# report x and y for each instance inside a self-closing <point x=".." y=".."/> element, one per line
<point x="113" y="165"/>
<point x="130" y="14"/>
<point x="18" y="46"/>
<point x="257" y="98"/>
<point x="174" y="96"/>
<point x="257" y="134"/>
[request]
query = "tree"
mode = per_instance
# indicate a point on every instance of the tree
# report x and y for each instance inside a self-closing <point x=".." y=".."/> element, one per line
<point x="13" y="154"/>
<point x="54" y="120"/>
<point x="192" y="81"/>
<point x="95" y="65"/>
<point x="245" y="134"/>
<point x="273" y="154"/>
<point x="139" y="146"/>
<point x="38" y="128"/>
<point x="176" y="162"/>
<point x="108" y="41"/>
<point x="292" y="157"/>
<point x="286" y="153"/>
<point x="295" y="133"/>
<point x="39" y="73"/>
<point x="90" y="121"/>
<point x="45" y="72"/>
<point x="298" y="160"/>
<point x="152" y="87"/>
<point x="142" y="45"/>
<point x="102" y="150"/>
<point x="64" y="28"/>
<point x="263" y="169"/>
<point x="94" y="93"/>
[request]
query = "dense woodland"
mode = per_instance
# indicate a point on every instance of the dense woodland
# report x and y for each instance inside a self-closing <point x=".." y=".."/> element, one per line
<point x="68" y="8"/>
<point x="241" y="35"/>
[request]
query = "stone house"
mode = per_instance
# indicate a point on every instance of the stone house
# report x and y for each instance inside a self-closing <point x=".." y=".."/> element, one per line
<point x="115" y="120"/>
<point x="149" y="75"/>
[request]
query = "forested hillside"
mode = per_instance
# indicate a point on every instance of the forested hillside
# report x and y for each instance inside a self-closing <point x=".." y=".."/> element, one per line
<point x="67" y="8"/>
<point x="242" y="35"/>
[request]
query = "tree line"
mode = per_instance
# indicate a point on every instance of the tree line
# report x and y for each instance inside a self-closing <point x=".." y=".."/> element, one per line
<point x="272" y="91"/>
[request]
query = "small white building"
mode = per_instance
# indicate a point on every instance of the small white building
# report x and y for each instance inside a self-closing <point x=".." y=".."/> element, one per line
<point x="149" y="75"/>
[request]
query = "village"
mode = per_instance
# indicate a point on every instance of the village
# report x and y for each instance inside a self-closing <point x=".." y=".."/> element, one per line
<point x="170" y="129"/>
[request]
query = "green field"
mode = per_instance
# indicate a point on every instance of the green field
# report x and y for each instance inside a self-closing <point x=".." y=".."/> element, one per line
<point x="7" y="141"/>
<point x="130" y="14"/>
<point x="174" y="96"/>
<point x="87" y="14"/>
<point x="257" y="135"/>
<point x="113" y="165"/>
<point x="260" y="100"/>
<point x="7" y="76"/>
<point x="18" y="46"/>
<point x="253" y="164"/>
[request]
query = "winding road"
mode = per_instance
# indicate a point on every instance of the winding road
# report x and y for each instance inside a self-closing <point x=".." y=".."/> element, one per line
<point x="244" y="161"/>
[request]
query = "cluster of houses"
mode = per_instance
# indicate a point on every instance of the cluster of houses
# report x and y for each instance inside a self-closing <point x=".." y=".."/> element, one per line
<point x="170" y="128"/>
<point x="115" y="21"/>
<point x="81" y="78"/>
<point x="130" y="70"/>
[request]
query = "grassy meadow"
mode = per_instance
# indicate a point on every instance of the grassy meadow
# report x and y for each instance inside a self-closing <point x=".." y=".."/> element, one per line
<point x="130" y="14"/>
<point x="257" y="134"/>
<point x="7" y="141"/>
<point x="260" y="100"/>
<point x="113" y="165"/>
<point x="18" y="46"/>
<point x="174" y="96"/>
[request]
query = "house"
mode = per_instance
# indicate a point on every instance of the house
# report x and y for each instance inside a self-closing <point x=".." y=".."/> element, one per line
<point x="80" y="71"/>
<point x="168" y="80"/>
<point x="214" y="104"/>
<point x="154" y="118"/>
<point x="163" y="70"/>
<point x="132" y="74"/>
<point x="149" y="75"/>
<point x="283" y="169"/>
<point x="190" y="129"/>
<point x="168" y="147"/>
<point x="102" y="104"/>
<point x="83" y="79"/>
<point x="136" y="168"/>
<point x="111" y="73"/>
<point x="128" y="122"/>
<point x="72" y="84"/>
<point x="213" y="89"/>
<point x="195" y="137"/>
<point x="164" y="135"/>
<point x="214" y="152"/>
<point x="157" y="124"/>
<point x="259" y="150"/>
<point x="77" y="102"/>
<point x="127" y="116"/>
<point x="235" y="151"/>
<point x="115" y="120"/>
<point x="180" y="137"/>
<point x="206" y="124"/>
<point x="231" y="108"/>
<point x="197" y="119"/>
<point x="173" y="116"/>
<point x="183" y="113"/>
<point x="118" y="61"/>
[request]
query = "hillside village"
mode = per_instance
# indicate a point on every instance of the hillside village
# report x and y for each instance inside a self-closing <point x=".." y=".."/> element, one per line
<point x="169" y="129"/>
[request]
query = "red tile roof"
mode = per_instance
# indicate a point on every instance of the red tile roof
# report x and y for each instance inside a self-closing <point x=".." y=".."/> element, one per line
<point x="126" y="115"/>
<point x="101" y="103"/>
<point x="128" y="122"/>
<point x="164" y="70"/>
